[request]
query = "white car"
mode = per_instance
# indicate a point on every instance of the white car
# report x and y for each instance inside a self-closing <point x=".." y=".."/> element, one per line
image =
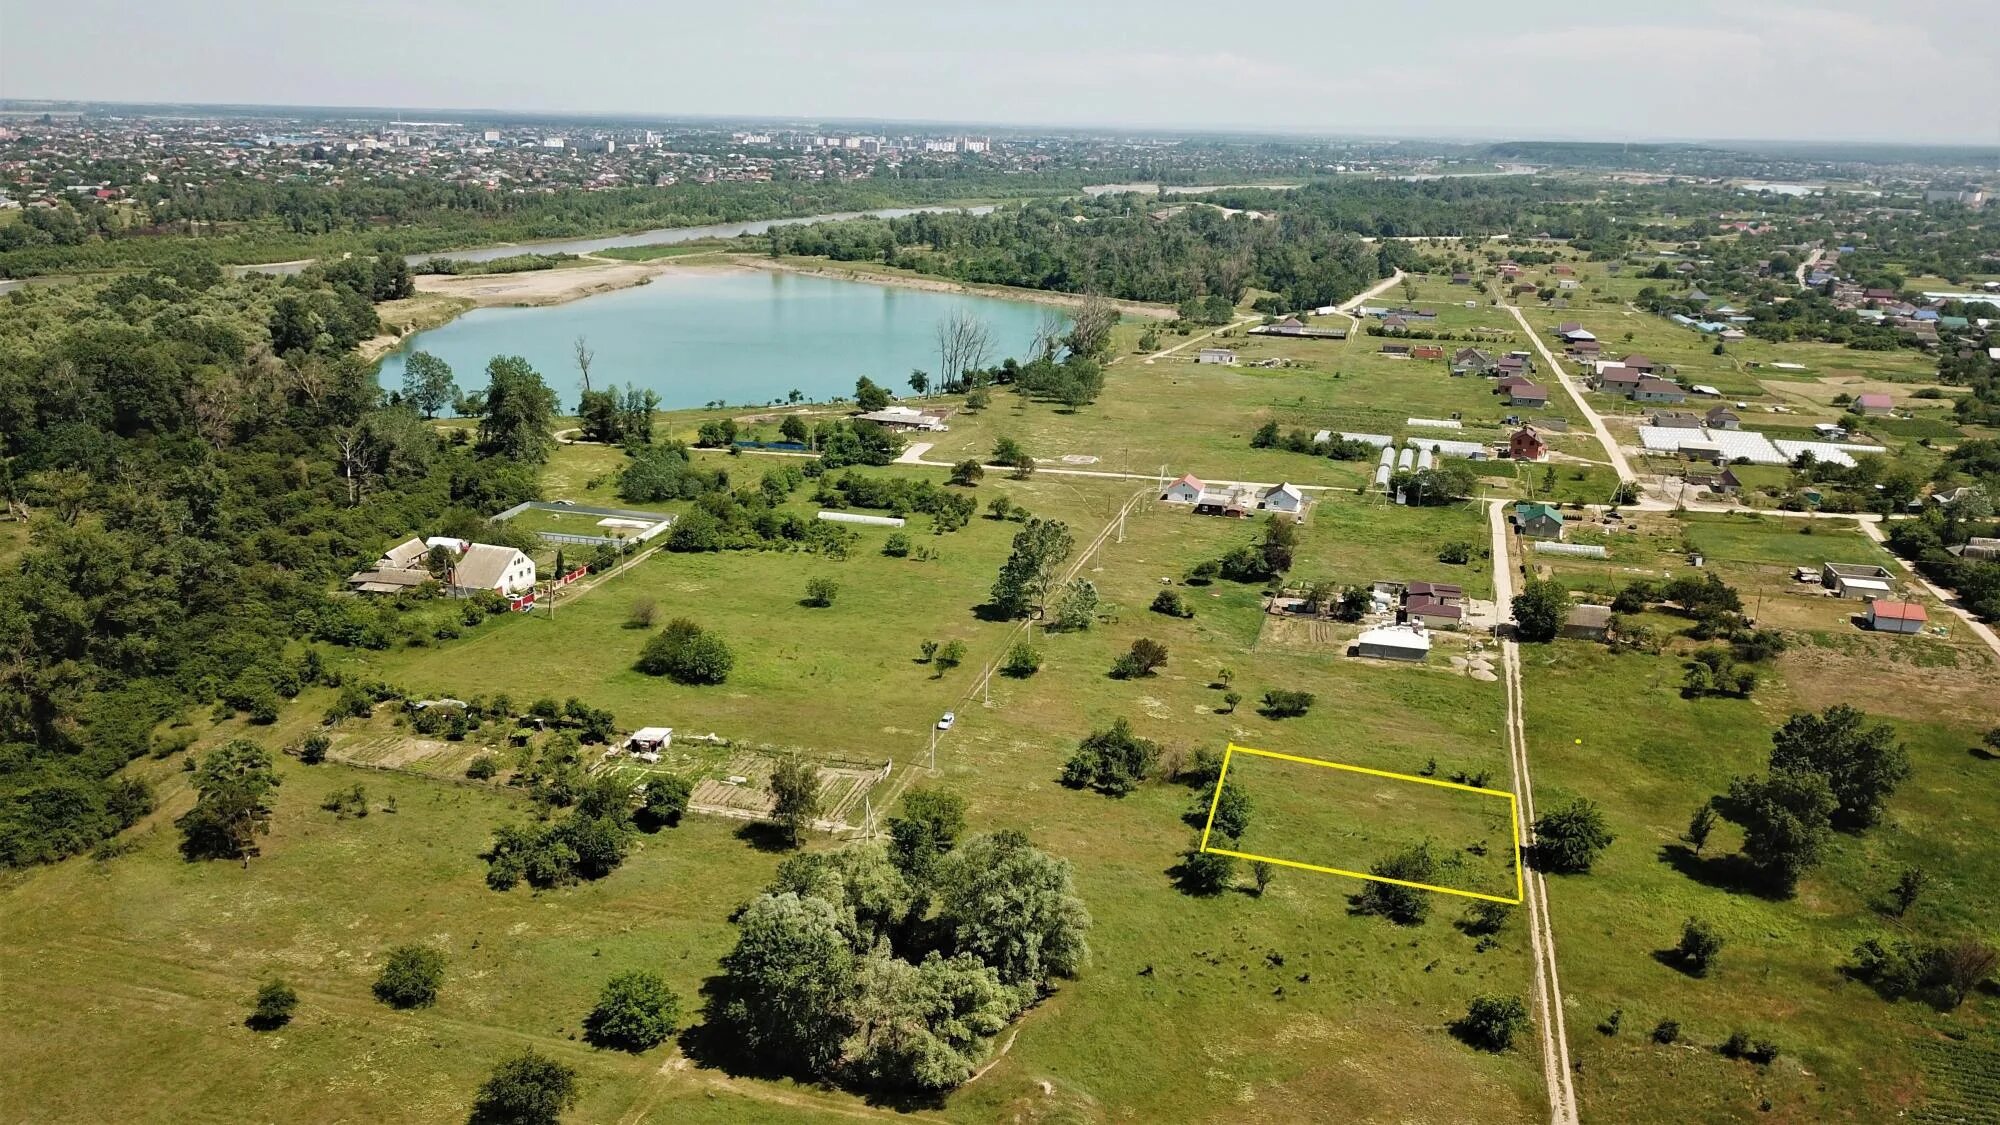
<point x="949" y="718"/>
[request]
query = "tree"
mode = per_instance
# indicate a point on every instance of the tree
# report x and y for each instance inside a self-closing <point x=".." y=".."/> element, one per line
<point x="232" y="805"/>
<point x="1077" y="609"/>
<point x="949" y="656"/>
<point x="868" y="396"/>
<point x="963" y="344"/>
<point x="1281" y="540"/>
<point x="1172" y="604"/>
<point x="1786" y="820"/>
<point x="410" y="977"/>
<point x="1958" y="967"/>
<point x="793" y="429"/>
<point x="1862" y="764"/>
<point x="897" y="545"/>
<point x="967" y="473"/>
<point x="1909" y="885"/>
<point x="1014" y="908"/>
<point x="976" y="399"/>
<point x="1142" y="659"/>
<point x="1699" y="826"/>
<point x="1112" y="761"/>
<point x="788" y="985"/>
<point x="795" y="788"/>
<point x="1492" y="1022"/>
<point x="584" y="358"/>
<point x="273" y="1007"/>
<point x="528" y="1088"/>
<point x="635" y="1011"/>
<point x="1226" y="816"/>
<point x="1354" y="604"/>
<point x="1263" y="873"/>
<point x="313" y="748"/>
<point x="519" y="411"/>
<point x="667" y="798"/>
<point x="1698" y="946"/>
<point x="920" y="1026"/>
<point x="928" y="825"/>
<point x="1569" y="839"/>
<point x="1023" y="660"/>
<point x="820" y="591"/>
<point x="428" y="383"/>
<point x="1206" y="873"/>
<point x="1403" y="905"/>
<point x="1025" y="578"/>
<point x="1285" y="703"/>
<point x="919" y="383"/>
<point x="1540" y="609"/>
<point x="1090" y="327"/>
<point x="687" y="653"/>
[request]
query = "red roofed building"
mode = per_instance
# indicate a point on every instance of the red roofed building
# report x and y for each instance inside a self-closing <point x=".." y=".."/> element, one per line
<point x="1527" y="445"/>
<point x="1896" y="617"/>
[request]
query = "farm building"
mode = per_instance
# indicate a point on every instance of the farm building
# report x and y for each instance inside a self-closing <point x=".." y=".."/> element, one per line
<point x="1537" y="520"/>
<point x="1448" y="593"/>
<point x="1588" y="623"/>
<point x="1978" y="547"/>
<point x="1283" y="498"/>
<point x="484" y="566"/>
<point x="1872" y="404"/>
<point x="1886" y="616"/>
<point x="1186" y="490"/>
<point x="906" y="418"/>
<point x="1849" y="580"/>
<point x="1234" y="503"/>
<point x="1528" y="394"/>
<point x="1427" y="351"/>
<point x="1433" y="614"/>
<point x="1216" y="355"/>
<point x="1470" y="361"/>
<point x="1394" y="642"/>
<point x="1723" y="418"/>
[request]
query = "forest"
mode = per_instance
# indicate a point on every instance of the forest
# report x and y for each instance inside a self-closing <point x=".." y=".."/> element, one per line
<point x="200" y="461"/>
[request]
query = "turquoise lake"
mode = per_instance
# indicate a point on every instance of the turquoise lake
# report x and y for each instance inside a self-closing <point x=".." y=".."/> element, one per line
<point x="745" y="337"/>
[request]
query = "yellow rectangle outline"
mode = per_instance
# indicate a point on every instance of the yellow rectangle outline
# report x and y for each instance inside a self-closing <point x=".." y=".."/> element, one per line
<point x="1513" y="820"/>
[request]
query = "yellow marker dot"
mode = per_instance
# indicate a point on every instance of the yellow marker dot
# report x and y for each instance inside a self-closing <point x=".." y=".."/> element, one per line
<point x="1579" y="742"/>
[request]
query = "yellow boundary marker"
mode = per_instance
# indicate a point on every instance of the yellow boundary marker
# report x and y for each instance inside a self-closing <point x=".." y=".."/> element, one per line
<point x="1513" y="820"/>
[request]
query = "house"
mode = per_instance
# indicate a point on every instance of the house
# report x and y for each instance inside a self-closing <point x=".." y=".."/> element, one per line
<point x="1619" y="380"/>
<point x="1585" y="349"/>
<point x="903" y="418"/>
<point x="1954" y="496"/>
<point x="1885" y="616"/>
<point x="1507" y="383"/>
<point x="1639" y="362"/>
<point x="1528" y="394"/>
<point x="1447" y="593"/>
<point x="1657" y="390"/>
<point x="1461" y="279"/>
<point x="503" y="570"/>
<point x="1723" y="418"/>
<point x="1216" y="355"/>
<point x="1394" y="642"/>
<point x="1567" y="283"/>
<point x="1395" y="324"/>
<point x="1852" y="580"/>
<point x="1575" y="333"/>
<point x="1471" y="361"/>
<point x="403" y="556"/>
<point x="1432" y="614"/>
<point x="1396" y="351"/>
<point x="1982" y="547"/>
<point x="1283" y="498"/>
<point x="1588" y="623"/>
<point x="1872" y="404"/>
<point x="1512" y="364"/>
<point x="1527" y="445"/>
<point x="1676" y="420"/>
<point x="1235" y="503"/>
<point x="387" y="581"/>
<point x="1719" y="481"/>
<point x="1427" y="351"/>
<point x="1186" y="490"/>
<point x="1537" y="520"/>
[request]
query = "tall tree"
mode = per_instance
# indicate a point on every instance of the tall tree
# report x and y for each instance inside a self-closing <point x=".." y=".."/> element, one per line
<point x="1785" y="819"/>
<point x="1862" y="763"/>
<point x="1030" y="570"/>
<point x="584" y="358"/>
<point x="520" y="411"/>
<point x="795" y="786"/>
<point x="427" y="383"/>
<point x="1014" y="908"/>
<point x="1540" y="609"/>
<point x="233" y="803"/>
<point x="788" y="985"/>
<point x="964" y="343"/>
<point x="1090" y="327"/>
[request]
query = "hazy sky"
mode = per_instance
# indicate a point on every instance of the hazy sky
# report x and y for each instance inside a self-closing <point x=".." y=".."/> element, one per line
<point x="1825" y="69"/>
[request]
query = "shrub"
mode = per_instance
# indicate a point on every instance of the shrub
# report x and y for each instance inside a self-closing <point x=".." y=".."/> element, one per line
<point x="482" y="767"/>
<point x="273" y="1008"/>
<point x="1172" y="604"/>
<point x="1569" y="839"/>
<point x="1698" y="946"/>
<point x="634" y="1012"/>
<point x="821" y="591"/>
<point x="1455" y="552"/>
<point x="667" y="799"/>
<point x="897" y="546"/>
<point x="1405" y="906"/>
<point x="1667" y="1031"/>
<point x="1113" y="760"/>
<point x="950" y="656"/>
<point x="1285" y="704"/>
<point x="1206" y="873"/>
<point x="411" y="976"/>
<point x="687" y="653"/>
<point x="1023" y="660"/>
<point x="526" y="1089"/>
<point x="1145" y="656"/>
<point x="312" y="751"/>
<point x="1491" y="1022"/>
<point x="642" y="614"/>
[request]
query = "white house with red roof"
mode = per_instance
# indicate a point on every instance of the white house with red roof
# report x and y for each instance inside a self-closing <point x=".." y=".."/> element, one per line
<point x="1186" y="490"/>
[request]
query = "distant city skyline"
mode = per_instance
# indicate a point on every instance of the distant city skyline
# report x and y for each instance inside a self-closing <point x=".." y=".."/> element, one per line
<point x="1838" y="70"/>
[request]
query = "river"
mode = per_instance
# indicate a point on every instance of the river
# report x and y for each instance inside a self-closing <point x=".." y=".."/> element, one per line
<point x="741" y="336"/>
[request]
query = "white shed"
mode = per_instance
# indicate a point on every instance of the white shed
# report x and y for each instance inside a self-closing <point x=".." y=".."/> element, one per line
<point x="1395" y="642"/>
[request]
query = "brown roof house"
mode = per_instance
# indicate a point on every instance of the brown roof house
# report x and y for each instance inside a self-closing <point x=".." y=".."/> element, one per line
<point x="1527" y="445"/>
<point x="1588" y="623"/>
<point x="484" y="566"/>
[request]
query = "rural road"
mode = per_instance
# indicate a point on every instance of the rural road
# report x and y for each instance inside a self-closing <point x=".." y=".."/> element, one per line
<point x="1541" y="934"/>
<point x="1812" y="260"/>
<point x="1597" y="425"/>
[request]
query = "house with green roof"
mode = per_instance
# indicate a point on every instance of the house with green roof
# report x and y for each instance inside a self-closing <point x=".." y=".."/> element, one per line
<point x="1537" y="520"/>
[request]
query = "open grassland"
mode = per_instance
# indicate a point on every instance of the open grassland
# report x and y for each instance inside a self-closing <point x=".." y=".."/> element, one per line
<point x="1616" y="729"/>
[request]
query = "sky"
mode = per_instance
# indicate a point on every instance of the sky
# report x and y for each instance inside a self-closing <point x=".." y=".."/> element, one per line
<point x="1918" y="71"/>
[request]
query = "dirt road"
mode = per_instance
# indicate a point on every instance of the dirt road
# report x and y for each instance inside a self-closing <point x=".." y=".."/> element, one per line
<point x="1597" y="425"/>
<point x="1541" y="935"/>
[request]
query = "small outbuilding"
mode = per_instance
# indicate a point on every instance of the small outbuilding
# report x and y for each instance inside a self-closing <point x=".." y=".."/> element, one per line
<point x="1216" y="355"/>
<point x="1536" y="520"/>
<point x="1395" y="642"/>
<point x="1885" y="616"/>
<point x="1283" y="498"/>
<point x="1849" y="580"/>
<point x="1588" y="622"/>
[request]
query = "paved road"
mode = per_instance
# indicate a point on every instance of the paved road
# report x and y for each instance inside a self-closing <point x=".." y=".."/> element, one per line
<point x="1541" y="934"/>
